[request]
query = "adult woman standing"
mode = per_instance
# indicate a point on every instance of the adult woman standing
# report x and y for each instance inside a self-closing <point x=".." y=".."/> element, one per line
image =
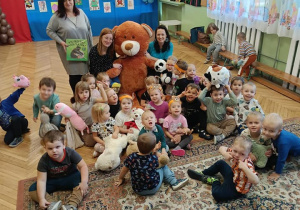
<point x="69" y="22"/>
<point x="102" y="55"/>
<point x="161" y="47"/>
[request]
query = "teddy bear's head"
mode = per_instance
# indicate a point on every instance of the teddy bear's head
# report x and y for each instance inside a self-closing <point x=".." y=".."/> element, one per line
<point x="136" y="113"/>
<point x="217" y="75"/>
<point x="160" y="65"/>
<point x="132" y="38"/>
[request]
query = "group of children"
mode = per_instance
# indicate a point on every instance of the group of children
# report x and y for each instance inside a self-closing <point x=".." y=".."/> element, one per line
<point x="192" y="106"/>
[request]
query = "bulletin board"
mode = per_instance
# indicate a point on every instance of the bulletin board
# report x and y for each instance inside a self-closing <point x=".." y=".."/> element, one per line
<point x="101" y="14"/>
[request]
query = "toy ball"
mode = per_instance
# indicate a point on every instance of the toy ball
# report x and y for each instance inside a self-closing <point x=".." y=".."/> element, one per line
<point x="3" y="21"/>
<point x="11" y="41"/>
<point x="21" y="81"/>
<point x="3" y="30"/>
<point x="160" y="65"/>
<point x="10" y="33"/>
<point x="3" y="38"/>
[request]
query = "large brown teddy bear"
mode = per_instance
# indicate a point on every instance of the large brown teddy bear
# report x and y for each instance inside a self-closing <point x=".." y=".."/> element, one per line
<point x="131" y="43"/>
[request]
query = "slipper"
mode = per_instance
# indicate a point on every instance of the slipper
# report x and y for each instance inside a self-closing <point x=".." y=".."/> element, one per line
<point x="178" y="152"/>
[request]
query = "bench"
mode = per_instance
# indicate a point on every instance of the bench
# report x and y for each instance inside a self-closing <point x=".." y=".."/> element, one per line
<point x="262" y="68"/>
<point x="187" y="36"/>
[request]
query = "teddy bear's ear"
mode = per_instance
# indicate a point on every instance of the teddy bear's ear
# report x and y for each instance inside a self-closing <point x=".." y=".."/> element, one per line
<point x="115" y="29"/>
<point x="148" y="29"/>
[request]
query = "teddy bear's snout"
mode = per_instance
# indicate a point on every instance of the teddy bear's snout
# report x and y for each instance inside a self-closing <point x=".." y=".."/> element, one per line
<point x="128" y="46"/>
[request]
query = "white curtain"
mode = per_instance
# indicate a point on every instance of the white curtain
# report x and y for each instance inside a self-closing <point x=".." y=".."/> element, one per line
<point x="280" y="17"/>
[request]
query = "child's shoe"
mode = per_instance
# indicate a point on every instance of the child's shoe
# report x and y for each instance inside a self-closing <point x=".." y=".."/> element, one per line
<point x="204" y="135"/>
<point x="206" y="61"/>
<point x="16" y="141"/>
<point x="178" y="152"/>
<point x="218" y="138"/>
<point x="54" y="205"/>
<point x="68" y="207"/>
<point x="180" y="183"/>
<point x="200" y="176"/>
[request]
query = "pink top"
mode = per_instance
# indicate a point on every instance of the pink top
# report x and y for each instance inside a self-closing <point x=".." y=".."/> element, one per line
<point x="172" y="124"/>
<point x="161" y="111"/>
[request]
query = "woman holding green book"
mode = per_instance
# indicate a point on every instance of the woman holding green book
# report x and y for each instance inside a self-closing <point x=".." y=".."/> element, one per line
<point x="69" y="22"/>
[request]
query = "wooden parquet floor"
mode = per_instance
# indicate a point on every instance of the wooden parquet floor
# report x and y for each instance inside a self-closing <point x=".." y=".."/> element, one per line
<point x="39" y="59"/>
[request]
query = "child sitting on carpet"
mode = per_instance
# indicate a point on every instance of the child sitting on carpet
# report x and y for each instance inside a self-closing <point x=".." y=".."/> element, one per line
<point x="246" y="105"/>
<point x="238" y="174"/>
<point x="284" y="143"/>
<point x="217" y="124"/>
<point x="146" y="179"/>
<point x="178" y="135"/>
<point x="57" y="171"/>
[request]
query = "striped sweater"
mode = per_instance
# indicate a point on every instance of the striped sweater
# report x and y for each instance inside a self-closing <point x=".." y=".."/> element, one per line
<point x="218" y="38"/>
<point x="246" y="49"/>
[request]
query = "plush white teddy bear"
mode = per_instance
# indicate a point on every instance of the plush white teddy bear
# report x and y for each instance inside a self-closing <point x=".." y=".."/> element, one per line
<point x="217" y="75"/>
<point x="110" y="158"/>
<point x="135" y="125"/>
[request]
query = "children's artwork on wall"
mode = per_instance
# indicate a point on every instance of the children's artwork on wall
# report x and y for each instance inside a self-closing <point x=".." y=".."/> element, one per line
<point x="54" y="6"/>
<point x="107" y="7"/>
<point x="120" y="3"/>
<point x="78" y="2"/>
<point x="130" y="4"/>
<point x="29" y="4"/>
<point x="94" y="5"/>
<point x="42" y="6"/>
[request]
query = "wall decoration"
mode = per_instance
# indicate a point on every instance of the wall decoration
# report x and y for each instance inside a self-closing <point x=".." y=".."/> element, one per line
<point x="54" y="6"/>
<point x="78" y="2"/>
<point x="94" y="5"/>
<point x="29" y="4"/>
<point x="42" y="6"/>
<point x="130" y="4"/>
<point x="107" y="7"/>
<point x="120" y="3"/>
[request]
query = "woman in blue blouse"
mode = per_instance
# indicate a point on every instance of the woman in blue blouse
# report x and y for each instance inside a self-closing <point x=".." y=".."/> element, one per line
<point x="161" y="47"/>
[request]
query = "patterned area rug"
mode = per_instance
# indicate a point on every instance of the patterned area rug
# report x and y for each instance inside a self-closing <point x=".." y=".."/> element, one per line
<point x="283" y="194"/>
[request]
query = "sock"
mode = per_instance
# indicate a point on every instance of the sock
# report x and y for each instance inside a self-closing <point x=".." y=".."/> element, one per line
<point x="177" y="148"/>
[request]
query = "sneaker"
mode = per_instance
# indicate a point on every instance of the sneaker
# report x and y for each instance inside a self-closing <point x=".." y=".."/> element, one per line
<point x="68" y="207"/>
<point x="16" y="141"/>
<point x="218" y="138"/>
<point x="206" y="61"/>
<point x="198" y="175"/>
<point x="54" y="205"/>
<point x="178" y="152"/>
<point x="204" y="135"/>
<point x="180" y="184"/>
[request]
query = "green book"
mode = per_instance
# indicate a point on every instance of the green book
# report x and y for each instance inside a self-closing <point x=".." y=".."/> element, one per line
<point x="77" y="50"/>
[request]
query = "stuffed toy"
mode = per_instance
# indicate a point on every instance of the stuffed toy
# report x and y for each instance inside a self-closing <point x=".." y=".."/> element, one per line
<point x="131" y="42"/>
<point x="76" y="121"/>
<point x="160" y="66"/>
<point x="110" y="158"/>
<point x="135" y="124"/>
<point x="132" y="147"/>
<point x="217" y="75"/>
<point x="196" y="80"/>
<point x="45" y="125"/>
<point x="21" y="81"/>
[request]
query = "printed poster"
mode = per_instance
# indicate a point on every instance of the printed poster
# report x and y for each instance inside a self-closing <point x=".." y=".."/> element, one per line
<point x="29" y="5"/>
<point x="120" y="3"/>
<point x="54" y="7"/>
<point x="42" y="6"/>
<point x="78" y="2"/>
<point x="107" y="7"/>
<point x="77" y="50"/>
<point x="94" y="5"/>
<point x="130" y="4"/>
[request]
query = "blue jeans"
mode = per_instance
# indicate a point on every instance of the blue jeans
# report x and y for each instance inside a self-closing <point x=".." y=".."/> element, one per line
<point x="225" y="191"/>
<point x="165" y="175"/>
<point x="56" y="120"/>
<point x="60" y="184"/>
